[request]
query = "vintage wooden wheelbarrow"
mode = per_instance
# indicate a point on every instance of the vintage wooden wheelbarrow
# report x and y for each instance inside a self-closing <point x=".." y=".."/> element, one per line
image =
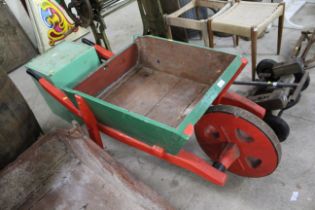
<point x="154" y="96"/>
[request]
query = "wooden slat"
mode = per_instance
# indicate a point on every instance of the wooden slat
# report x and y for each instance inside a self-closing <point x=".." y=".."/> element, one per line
<point x="170" y="6"/>
<point x="161" y="96"/>
<point x="211" y="4"/>
<point x="173" y="107"/>
<point x="142" y="91"/>
<point x="185" y="23"/>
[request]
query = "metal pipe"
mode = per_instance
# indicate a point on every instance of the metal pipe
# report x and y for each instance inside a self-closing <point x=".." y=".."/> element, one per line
<point x="267" y="84"/>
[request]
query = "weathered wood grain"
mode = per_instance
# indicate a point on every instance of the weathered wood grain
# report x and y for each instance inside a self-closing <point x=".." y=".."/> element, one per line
<point x="65" y="170"/>
<point x="159" y="95"/>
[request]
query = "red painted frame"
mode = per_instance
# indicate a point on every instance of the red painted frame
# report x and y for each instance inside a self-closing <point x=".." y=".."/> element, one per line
<point x="183" y="159"/>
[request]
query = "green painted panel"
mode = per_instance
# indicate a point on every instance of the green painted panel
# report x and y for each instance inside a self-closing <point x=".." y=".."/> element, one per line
<point x="135" y="125"/>
<point x="66" y="64"/>
<point x="55" y="106"/>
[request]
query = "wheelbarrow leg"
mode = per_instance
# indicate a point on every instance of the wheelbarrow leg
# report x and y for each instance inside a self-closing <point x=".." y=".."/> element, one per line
<point x="183" y="159"/>
<point x="90" y="121"/>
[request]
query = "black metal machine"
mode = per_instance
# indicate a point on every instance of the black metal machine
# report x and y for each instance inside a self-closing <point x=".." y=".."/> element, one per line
<point x="91" y="13"/>
<point x="279" y="88"/>
<point x="286" y="81"/>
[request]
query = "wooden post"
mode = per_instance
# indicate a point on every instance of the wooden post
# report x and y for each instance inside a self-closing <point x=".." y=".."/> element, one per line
<point x="204" y="33"/>
<point x="280" y="29"/>
<point x="153" y="21"/>
<point x="254" y="51"/>
<point x="169" y="32"/>
<point x="210" y="34"/>
<point x="235" y="40"/>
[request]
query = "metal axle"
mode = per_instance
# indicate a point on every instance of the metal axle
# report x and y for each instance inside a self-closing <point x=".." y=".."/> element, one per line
<point x="266" y="84"/>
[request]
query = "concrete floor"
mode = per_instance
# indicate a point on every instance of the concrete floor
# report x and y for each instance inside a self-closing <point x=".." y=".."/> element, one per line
<point x="184" y="190"/>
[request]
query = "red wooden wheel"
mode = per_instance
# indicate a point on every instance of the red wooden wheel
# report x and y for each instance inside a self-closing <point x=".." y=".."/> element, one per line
<point x="258" y="146"/>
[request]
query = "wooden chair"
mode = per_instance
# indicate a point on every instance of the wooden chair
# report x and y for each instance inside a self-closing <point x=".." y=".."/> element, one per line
<point x="175" y="18"/>
<point x="248" y="19"/>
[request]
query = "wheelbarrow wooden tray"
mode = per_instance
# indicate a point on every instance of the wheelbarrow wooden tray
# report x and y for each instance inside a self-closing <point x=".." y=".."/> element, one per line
<point x="156" y="89"/>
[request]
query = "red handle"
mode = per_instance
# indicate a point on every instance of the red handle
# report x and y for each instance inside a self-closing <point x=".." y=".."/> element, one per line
<point x="101" y="51"/>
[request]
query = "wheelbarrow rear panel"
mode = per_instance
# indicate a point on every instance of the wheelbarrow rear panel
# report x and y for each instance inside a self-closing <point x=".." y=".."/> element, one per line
<point x="64" y="65"/>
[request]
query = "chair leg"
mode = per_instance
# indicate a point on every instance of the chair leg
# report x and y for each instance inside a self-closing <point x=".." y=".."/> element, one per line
<point x="210" y="34"/>
<point x="169" y="32"/>
<point x="205" y="34"/>
<point x="197" y="13"/>
<point x="254" y="52"/>
<point x="280" y="30"/>
<point x="235" y="40"/>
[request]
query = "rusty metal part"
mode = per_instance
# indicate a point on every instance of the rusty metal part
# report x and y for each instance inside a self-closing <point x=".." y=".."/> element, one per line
<point x="273" y="98"/>
<point x="270" y="70"/>
<point x="84" y="13"/>
<point x="89" y="13"/>
<point x="298" y="51"/>
<point x="259" y="147"/>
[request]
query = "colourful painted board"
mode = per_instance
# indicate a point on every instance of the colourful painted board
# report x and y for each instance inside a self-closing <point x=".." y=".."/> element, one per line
<point x="52" y="24"/>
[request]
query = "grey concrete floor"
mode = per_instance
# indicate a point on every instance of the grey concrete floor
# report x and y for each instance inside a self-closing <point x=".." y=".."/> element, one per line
<point x="184" y="190"/>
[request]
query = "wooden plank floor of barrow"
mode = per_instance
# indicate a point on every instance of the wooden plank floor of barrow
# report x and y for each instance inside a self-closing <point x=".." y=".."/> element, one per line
<point x="161" y="96"/>
<point x="66" y="170"/>
<point x="15" y="47"/>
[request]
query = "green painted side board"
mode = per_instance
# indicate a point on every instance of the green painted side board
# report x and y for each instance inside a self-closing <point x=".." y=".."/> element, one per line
<point x="133" y="124"/>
